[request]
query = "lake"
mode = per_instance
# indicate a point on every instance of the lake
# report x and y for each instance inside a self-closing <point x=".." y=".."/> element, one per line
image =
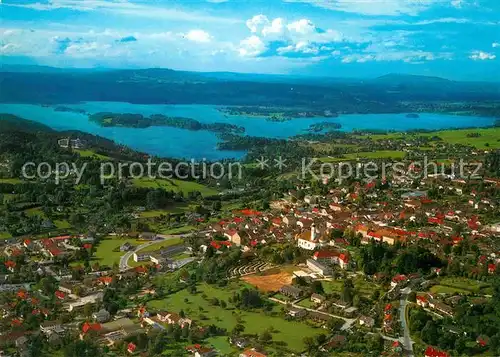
<point x="181" y="143"/>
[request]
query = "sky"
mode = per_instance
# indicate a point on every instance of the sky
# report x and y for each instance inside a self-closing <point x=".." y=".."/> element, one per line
<point x="456" y="39"/>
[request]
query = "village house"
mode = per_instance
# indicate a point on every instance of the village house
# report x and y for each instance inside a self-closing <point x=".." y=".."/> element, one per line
<point x="148" y="236"/>
<point x="317" y="298"/>
<point x="296" y="312"/>
<point x="366" y="321"/>
<point x="252" y="353"/>
<point x="398" y="279"/>
<point x="171" y="318"/>
<point x="332" y="257"/>
<point x="319" y="268"/>
<point x="125" y="247"/>
<point x="81" y="302"/>
<point x="291" y="291"/>
<point x="432" y="352"/>
<point x="48" y="327"/>
<point x="422" y="301"/>
<point x="200" y="351"/>
<point x="101" y="316"/>
<point x="141" y="257"/>
<point x="238" y="342"/>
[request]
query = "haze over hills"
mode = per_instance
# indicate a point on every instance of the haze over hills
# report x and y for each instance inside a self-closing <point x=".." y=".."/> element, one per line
<point x="166" y="86"/>
<point x="237" y="76"/>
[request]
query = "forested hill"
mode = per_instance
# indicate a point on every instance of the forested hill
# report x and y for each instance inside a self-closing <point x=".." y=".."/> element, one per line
<point x="25" y="139"/>
<point x="11" y="123"/>
<point x="383" y="95"/>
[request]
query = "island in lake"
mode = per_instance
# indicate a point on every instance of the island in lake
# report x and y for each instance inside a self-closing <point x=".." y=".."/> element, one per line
<point x="129" y="120"/>
<point x="63" y="108"/>
<point x="279" y="114"/>
<point x="318" y="127"/>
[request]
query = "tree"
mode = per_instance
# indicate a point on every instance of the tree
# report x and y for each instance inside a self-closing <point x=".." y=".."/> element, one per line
<point x="265" y="337"/>
<point x="87" y="310"/>
<point x="238" y="329"/>
<point x="310" y="343"/>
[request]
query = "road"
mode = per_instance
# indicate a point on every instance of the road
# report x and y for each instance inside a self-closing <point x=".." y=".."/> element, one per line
<point x="407" y="342"/>
<point x="173" y="250"/>
<point x="346" y="326"/>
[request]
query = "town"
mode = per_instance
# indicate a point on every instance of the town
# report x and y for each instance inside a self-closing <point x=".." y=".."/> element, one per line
<point x="379" y="268"/>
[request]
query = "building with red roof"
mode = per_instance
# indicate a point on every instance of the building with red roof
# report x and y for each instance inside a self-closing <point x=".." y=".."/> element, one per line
<point x="131" y="348"/>
<point x="398" y="279"/>
<point x="422" y="301"/>
<point x="91" y="327"/>
<point x="492" y="268"/>
<point x="432" y="352"/>
<point x="11" y="265"/>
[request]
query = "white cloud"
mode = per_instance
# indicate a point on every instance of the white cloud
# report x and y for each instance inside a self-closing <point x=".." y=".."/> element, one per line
<point x="252" y="46"/>
<point x="276" y="29"/>
<point x="198" y="36"/>
<point x="304" y="47"/>
<point x="301" y="36"/>
<point x="128" y="8"/>
<point x="257" y="23"/>
<point x="411" y="56"/>
<point x="482" y="56"/>
<point x="374" y="7"/>
<point x="302" y="27"/>
<point x="495" y="44"/>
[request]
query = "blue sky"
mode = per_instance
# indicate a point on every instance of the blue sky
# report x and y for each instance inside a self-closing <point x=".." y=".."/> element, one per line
<point x="457" y="39"/>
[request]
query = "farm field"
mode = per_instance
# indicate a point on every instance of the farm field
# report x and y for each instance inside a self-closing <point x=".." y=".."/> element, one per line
<point x="174" y="185"/>
<point x="381" y="154"/>
<point x="290" y="332"/>
<point x="458" y="136"/>
<point x="270" y="280"/>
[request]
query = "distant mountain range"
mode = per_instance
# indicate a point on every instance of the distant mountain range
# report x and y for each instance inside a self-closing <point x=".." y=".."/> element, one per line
<point x="47" y="85"/>
<point x="233" y="76"/>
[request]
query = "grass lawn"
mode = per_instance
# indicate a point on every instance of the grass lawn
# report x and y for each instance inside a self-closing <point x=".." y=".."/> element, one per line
<point x="178" y="230"/>
<point x="162" y="244"/>
<point x="36" y="211"/>
<point x="451" y="285"/>
<point x="290" y="332"/>
<point x="380" y="154"/>
<point x="222" y="345"/>
<point x="441" y="289"/>
<point x="5" y="235"/>
<point x="158" y="212"/>
<point x="104" y="251"/>
<point x="13" y="181"/>
<point x="62" y="224"/>
<point x="91" y="153"/>
<point x="307" y="303"/>
<point x="366" y="288"/>
<point x="174" y="185"/>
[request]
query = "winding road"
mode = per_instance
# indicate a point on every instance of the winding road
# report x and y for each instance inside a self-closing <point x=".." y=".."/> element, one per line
<point x="407" y="342"/>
